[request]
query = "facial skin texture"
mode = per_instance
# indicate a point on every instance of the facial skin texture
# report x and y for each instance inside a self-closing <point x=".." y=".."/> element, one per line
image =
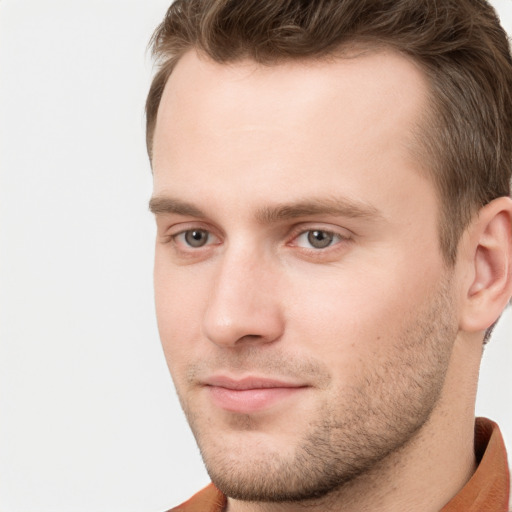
<point x="259" y="157"/>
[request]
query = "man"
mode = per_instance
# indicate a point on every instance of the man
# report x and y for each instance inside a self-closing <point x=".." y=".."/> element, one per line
<point x="331" y="191"/>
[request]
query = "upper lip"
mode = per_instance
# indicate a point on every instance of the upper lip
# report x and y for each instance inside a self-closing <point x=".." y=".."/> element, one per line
<point x="250" y="382"/>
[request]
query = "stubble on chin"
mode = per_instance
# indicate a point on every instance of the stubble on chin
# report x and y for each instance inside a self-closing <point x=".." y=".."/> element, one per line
<point x="351" y="432"/>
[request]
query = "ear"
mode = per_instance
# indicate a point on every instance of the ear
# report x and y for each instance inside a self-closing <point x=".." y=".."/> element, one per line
<point x="488" y="287"/>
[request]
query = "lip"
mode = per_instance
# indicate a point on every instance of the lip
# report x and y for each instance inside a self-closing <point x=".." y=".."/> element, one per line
<point x="249" y="394"/>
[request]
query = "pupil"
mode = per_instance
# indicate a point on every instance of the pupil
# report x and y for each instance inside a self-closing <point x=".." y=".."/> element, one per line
<point x="196" y="238"/>
<point x="319" y="239"/>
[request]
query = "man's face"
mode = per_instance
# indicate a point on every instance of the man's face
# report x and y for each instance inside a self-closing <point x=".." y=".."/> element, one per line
<point x="302" y="300"/>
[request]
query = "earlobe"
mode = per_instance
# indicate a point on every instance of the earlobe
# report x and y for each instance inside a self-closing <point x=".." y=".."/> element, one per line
<point x="490" y="289"/>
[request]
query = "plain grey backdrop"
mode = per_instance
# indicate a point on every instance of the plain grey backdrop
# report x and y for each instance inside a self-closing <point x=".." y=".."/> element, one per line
<point x="89" y="421"/>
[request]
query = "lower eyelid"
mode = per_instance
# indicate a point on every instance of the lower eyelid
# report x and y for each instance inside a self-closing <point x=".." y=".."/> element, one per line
<point x="215" y="240"/>
<point x="211" y="241"/>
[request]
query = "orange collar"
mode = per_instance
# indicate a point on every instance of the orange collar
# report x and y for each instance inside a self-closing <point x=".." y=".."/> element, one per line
<point x="486" y="491"/>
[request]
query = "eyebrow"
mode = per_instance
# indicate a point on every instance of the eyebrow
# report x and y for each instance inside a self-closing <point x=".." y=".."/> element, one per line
<point x="169" y="205"/>
<point x="342" y="207"/>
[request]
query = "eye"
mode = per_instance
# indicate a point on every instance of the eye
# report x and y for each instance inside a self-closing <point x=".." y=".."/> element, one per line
<point x="317" y="239"/>
<point x="193" y="237"/>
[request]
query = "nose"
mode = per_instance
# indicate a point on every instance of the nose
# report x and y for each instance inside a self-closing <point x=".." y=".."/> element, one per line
<point x="243" y="306"/>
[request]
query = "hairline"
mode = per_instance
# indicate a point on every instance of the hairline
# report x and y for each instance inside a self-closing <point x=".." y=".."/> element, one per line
<point x="422" y="143"/>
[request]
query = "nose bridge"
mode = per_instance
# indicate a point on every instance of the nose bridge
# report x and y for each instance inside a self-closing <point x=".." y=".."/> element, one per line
<point x="243" y="304"/>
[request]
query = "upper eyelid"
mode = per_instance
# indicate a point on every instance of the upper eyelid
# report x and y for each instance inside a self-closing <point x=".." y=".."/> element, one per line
<point x="169" y="233"/>
<point x="182" y="227"/>
<point x="304" y="227"/>
<point x="173" y="236"/>
<point x="341" y="238"/>
<point x="328" y="231"/>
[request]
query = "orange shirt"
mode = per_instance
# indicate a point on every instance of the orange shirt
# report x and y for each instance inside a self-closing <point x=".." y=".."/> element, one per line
<point x="487" y="490"/>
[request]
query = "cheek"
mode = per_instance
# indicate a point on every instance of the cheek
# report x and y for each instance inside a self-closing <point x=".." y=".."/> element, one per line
<point x="354" y="313"/>
<point x="179" y="303"/>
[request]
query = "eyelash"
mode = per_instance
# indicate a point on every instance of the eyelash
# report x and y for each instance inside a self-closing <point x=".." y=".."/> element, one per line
<point x="184" y="233"/>
<point x="337" y="237"/>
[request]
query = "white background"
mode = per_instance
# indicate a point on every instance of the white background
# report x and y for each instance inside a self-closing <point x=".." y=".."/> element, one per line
<point x="89" y="420"/>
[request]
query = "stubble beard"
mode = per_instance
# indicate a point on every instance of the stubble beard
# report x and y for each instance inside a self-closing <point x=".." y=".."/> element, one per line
<point x="352" y="434"/>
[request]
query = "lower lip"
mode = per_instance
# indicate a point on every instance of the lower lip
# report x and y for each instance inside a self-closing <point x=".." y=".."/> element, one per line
<point x="245" y="401"/>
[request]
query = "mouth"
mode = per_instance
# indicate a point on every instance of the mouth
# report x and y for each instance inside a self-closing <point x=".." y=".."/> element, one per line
<point x="250" y="394"/>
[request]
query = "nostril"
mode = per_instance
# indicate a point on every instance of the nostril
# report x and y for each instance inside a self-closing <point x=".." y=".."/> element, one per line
<point x="250" y="337"/>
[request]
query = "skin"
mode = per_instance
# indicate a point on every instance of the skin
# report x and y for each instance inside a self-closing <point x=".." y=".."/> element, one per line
<point x="373" y="330"/>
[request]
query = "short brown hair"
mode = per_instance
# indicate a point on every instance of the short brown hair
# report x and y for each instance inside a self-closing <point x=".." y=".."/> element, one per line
<point x="464" y="52"/>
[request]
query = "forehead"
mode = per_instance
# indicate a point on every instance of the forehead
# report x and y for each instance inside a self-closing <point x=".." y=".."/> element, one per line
<point x="382" y="85"/>
<point x="273" y="129"/>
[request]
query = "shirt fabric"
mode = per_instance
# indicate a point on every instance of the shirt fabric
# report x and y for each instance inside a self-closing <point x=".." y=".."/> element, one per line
<point x="486" y="491"/>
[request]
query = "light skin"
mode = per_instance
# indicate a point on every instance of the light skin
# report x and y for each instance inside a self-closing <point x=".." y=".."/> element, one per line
<point x="325" y="355"/>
